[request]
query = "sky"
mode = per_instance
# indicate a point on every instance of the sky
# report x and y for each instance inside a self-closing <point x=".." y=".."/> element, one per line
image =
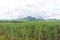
<point x="12" y="9"/>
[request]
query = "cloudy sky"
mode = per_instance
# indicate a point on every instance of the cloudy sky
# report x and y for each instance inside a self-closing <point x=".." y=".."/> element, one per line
<point x="12" y="9"/>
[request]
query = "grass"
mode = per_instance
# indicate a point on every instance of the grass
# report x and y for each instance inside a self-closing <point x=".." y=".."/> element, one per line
<point x="30" y="31"/>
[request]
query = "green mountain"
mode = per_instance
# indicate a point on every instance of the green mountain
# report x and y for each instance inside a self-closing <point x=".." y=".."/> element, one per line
<point x="30" y="18"/>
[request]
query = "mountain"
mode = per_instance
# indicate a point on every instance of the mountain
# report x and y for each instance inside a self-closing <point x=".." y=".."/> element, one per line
<point x="30" y="18"/>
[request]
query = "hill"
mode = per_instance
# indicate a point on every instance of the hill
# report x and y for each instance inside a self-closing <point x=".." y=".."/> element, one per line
<point x="30" y="18"/>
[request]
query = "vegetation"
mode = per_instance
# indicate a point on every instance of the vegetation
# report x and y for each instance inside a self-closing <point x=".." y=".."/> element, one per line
<point x="30" y="30"/>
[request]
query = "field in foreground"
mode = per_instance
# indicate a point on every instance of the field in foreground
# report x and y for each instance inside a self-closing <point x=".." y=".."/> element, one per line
<point x="30" y="31"/>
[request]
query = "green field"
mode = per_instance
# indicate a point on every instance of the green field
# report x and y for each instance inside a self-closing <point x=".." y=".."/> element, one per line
<point x="30" y="30"/>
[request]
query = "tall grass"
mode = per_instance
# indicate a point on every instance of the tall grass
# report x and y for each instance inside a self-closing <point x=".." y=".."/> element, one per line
<point x="30" y="31"/>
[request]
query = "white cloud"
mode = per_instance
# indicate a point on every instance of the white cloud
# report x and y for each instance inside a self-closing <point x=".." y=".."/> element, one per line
<point x="10" y="9"/>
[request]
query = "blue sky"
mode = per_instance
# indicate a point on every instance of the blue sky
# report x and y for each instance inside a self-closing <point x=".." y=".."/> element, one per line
<point x="12" y="9"/>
